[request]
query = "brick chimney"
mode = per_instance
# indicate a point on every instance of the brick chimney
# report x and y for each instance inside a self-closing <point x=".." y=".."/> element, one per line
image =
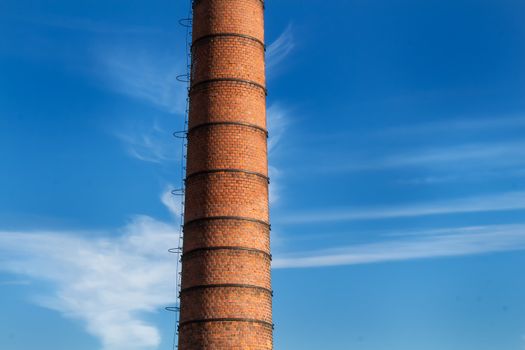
<point x="226" y="297"/>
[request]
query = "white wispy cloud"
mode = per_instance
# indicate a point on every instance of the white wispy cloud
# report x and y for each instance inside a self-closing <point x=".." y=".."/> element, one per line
<point x="430" y="180"/>
<point x="87" y="25"/>
<point x="278" y="115"/>
<point x="457" y="124"/>
<point x="278" y="121"/>
<point x="171" y="201"/>
<point x="15" y="283"/>
<point x="109" y="281"/>
<point x="427" y="244"/>
<point x="275" y="185"/>
<point x="508" y="153"/>
<point x="464" y="175"/>
<point x="151" y="77"/>
<point x="145" y="74"/>
<point x="463" y="156"/>
<point x="149" y="143"/>
<point x="278" y="50"/>
<point x="485" y="203"/>
<point x="445" y="151"/>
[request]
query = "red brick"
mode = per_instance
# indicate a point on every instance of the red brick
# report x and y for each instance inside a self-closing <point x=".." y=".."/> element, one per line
<point x="226" y="298"/>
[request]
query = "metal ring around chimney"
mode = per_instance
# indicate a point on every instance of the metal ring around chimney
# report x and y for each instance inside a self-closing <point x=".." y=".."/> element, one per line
<point x="234" y="80"/>
<point x="248" y="320"/>
<point x="208" y="249"/>
<point x="227" y="285"/>
<point x="260" y="1"/>
<point x="214" y="171"/>
<point x="248" y="125"/>
<point x="237" y="218"/>
<point x="222" y="35"/>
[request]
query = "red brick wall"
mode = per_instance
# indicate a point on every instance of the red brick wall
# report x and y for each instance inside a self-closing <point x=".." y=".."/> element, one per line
<point x="228" y="146"/>
<point x="226" y="298"/>
<point x="227" y="101"/>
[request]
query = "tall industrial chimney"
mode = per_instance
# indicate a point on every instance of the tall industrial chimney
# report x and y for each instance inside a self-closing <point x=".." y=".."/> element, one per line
<point x="226" y="297"/>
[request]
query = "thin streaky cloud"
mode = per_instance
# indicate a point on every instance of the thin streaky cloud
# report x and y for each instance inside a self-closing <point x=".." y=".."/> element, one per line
<point x="149" y="144"/>
<point x="15" y="283"/>
<point x="172" y="202"/>
<point x="87" y="25"/>
<point x="432" y="129"/>
<point x="275" y="185"/>
<point x="446" y="243"/>
<point x="278" y="121"/>
<point x="463" y="176"/>
<point x="152" y="79"/>
<point x="507" y="153"/>
<point x="464" y="156"/>
<point x="457" y="124"/>
<point x="430" y="180"/>
<point x="279" y="49"/>
<point x="146" y="75"/>
<point x="487" y="203"/>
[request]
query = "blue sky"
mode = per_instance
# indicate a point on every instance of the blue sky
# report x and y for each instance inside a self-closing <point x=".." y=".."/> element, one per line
<point x="397" y="160"/>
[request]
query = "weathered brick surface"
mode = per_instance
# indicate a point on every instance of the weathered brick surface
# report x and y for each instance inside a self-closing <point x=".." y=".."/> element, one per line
<point x="226" y="194"/>
<point x="227" y="146"/>
<point x="225" y="335"/>
<point x="226" y="267"/>
<point x="226" y="298"/>
<point x="228" y="101"/>
<point x="226" y="57"/>
<point x="227" y="302"/>
<point x="226" y="16"/>
<point x="226" y="233"/>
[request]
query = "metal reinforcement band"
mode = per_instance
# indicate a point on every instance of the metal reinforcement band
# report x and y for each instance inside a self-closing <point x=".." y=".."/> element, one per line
<point x="248" y="320"/>
<point x="227" y="285"/>
<point x="262" y="2"/>
<point x="237" y="218"/>
<point x="234" y="80"/>
<point x="248" y="125"/>
<point x="208" y="249"/>
<point x="225" y="35"/>
<point x="214" y="171"/>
